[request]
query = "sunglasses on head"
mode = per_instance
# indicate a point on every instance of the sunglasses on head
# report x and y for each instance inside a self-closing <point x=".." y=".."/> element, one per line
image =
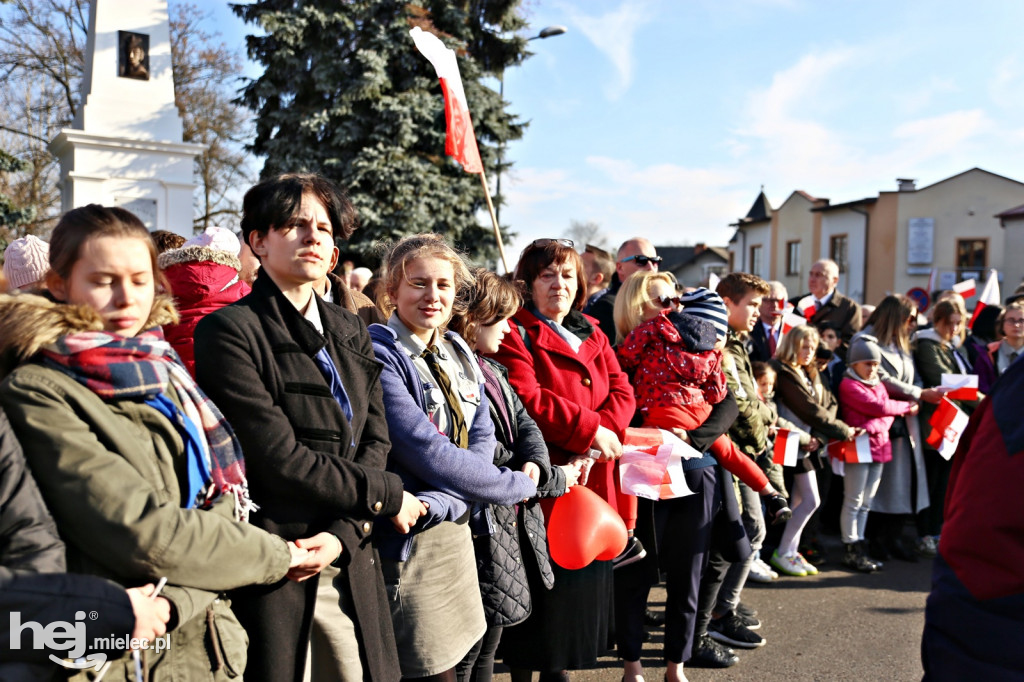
<point x="669" y="301"/>
<point x="541" y="243"/>
<point x="642" y="260"/>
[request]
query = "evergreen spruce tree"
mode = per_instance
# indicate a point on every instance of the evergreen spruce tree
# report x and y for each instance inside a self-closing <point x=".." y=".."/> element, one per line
<point x="345" y="93"/>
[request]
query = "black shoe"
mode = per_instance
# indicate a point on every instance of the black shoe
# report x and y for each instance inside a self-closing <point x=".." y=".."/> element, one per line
<point x="654" y="619"/>
<point x="814" y="553"/>
<point x="877" y="549"/>
<point x="776" y="509"/>
<point x="634" y="552"/>
<point x="729" y="629"/>
<point x="710" y="654"/>
<point x="749" y="622"/>
<point x="745" y="610"/>
<point x="857" y="560"/>
<point x="899" y="549"/>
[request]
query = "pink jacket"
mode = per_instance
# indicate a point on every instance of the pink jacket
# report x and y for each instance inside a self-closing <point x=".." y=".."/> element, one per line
<point x="870" y="408"/>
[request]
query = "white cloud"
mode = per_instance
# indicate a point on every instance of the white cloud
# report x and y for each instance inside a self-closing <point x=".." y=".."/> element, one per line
<point x="917" y="99"/>
<point x="613" y="33"/>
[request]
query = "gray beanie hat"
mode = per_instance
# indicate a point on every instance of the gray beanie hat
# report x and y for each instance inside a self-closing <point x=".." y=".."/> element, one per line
<point x="863" y="349"/>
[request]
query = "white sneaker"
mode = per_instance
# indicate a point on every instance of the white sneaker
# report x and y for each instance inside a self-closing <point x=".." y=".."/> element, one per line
<point x="764" y="565"/>
<point x="758" y="572"/>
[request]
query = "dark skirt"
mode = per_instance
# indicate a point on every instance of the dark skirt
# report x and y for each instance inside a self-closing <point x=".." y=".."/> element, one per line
<point x="569" y="626"/>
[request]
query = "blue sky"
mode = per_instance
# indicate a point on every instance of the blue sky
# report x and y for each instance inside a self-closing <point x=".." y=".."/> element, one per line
<point x="663" y="118"/>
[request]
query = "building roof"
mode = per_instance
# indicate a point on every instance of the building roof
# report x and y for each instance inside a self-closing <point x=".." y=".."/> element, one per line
<point x="677" y="257"/>
<point x="1013" y="213"/>
<point x="848" y="204"/>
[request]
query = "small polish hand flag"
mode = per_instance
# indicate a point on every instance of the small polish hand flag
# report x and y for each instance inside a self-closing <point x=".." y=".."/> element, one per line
<point x="807" y="307"/>
<point x="790" y="320"/>
<point x="460" y="142"/>
<point x="962" y="386"/>
<point x="948" y="424"/>
<point x="651" y="465"/>
<point x="966" y="288"/>
<point x="787" y="446"/>
<point x="856" y="451"/>
<point x="989" y="295"/>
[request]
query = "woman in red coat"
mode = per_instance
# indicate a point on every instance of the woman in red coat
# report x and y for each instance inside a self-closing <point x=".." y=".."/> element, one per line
<point x="562" y="366"/>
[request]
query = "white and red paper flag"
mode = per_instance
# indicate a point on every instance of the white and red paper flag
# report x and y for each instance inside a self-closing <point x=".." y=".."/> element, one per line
<point x="856" y="451"/>
<point x="652" y="464"/>
<point x="460" y="142"/>
<point x="989" y="295"/>
<point x="807" y="306"/>
<point x="966" y="288"/>
<point x="962" y="386"/>
<point x="790" y="320"/>
<point x="948" y="424"/>
<point x="787" y="447"/>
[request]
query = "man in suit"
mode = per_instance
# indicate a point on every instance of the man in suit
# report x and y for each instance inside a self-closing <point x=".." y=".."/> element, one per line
<point x="635" y="254"/>
<point x="825" y="304"/>
<point x="767" y="333"/>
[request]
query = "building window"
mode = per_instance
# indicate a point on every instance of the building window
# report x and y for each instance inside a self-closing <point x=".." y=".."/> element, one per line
<point x="793" y="258"/>
<point x="971" y="257"/>
<point x="755" y="260"/>
<point x="837" y="251"/>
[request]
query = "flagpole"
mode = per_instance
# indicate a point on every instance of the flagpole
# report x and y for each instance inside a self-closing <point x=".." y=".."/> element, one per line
<point x="494" y="219"/>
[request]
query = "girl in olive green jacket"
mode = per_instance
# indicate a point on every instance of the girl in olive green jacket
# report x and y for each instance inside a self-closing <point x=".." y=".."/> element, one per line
<point x="143" y="477"/>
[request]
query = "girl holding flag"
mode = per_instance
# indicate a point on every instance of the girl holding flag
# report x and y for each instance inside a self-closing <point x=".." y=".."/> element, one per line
<point x="865" y="403"/>
<point x="807" y="402"/>
<point x="143" y="476"/>
<point x="937" y="352"/>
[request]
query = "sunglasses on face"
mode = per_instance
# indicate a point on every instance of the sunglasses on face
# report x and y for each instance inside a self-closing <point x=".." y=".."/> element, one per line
<point x="642" y="261"/>
<point x="669" y="301"/>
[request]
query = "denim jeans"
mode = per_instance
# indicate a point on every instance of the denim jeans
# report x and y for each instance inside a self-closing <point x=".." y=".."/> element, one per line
<point x="753" y="520"/>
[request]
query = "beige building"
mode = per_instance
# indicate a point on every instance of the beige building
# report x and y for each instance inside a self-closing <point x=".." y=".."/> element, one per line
<point x="889" y="243"/>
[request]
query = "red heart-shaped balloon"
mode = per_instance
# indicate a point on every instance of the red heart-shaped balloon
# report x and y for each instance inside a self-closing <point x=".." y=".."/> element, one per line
<point x="583" y="527"/>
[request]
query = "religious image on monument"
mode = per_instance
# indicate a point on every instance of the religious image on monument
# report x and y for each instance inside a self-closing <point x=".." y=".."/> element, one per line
<point x="133" y="55"/>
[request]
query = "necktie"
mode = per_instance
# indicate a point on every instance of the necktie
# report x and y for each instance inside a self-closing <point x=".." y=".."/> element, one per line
<point x="326" y="366"/>
<point x="459" y="435"/>
<point x="771" y="343"/>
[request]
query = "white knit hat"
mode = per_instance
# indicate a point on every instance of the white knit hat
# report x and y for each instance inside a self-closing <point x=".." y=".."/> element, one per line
<point x="217" y="238"/>
<point x="26" y="261"/>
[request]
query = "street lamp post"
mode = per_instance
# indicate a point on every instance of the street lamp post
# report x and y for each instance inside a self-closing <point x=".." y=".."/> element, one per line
<point x="546" y="32"/>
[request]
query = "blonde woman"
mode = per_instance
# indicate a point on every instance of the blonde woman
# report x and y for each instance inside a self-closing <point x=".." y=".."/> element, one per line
<point x="804" y="400"/>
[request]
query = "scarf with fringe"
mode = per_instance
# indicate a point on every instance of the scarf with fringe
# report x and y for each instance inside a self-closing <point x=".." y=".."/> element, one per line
<point x="115" y="367"/>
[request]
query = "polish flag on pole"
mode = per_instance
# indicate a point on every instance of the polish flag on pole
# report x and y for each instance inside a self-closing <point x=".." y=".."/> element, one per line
<point x="961" y="386"/>
<point x="787" y="446"/>
<point x="856" y="451"/>
<point x="989" y="295"/>
<point x="948" y="424"/>
<point x="652" y="464"/>
<point x="460" y="142"/>
<point x="966" y="288"/>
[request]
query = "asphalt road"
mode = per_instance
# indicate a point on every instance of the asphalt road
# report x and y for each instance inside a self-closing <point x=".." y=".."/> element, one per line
<point x="837" y="625"/>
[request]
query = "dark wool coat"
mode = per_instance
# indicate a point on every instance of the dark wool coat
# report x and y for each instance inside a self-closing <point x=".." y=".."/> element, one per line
<point x="841" y="311"/>
<point x="255" y="360"/>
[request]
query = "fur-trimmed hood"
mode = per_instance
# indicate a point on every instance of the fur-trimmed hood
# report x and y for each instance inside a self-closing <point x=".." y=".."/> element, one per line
<point x="28" y="322"/>
<point x="197" y="254"/>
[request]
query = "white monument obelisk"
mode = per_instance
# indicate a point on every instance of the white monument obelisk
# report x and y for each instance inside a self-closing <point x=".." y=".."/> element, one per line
<point x="124" y="147"/>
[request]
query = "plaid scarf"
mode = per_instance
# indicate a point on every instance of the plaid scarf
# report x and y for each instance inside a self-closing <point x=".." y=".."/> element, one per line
<point x="115" y="367"/>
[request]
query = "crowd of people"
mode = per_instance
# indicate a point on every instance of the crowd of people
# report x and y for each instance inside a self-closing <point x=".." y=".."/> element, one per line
<point x="304" y="475"/>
